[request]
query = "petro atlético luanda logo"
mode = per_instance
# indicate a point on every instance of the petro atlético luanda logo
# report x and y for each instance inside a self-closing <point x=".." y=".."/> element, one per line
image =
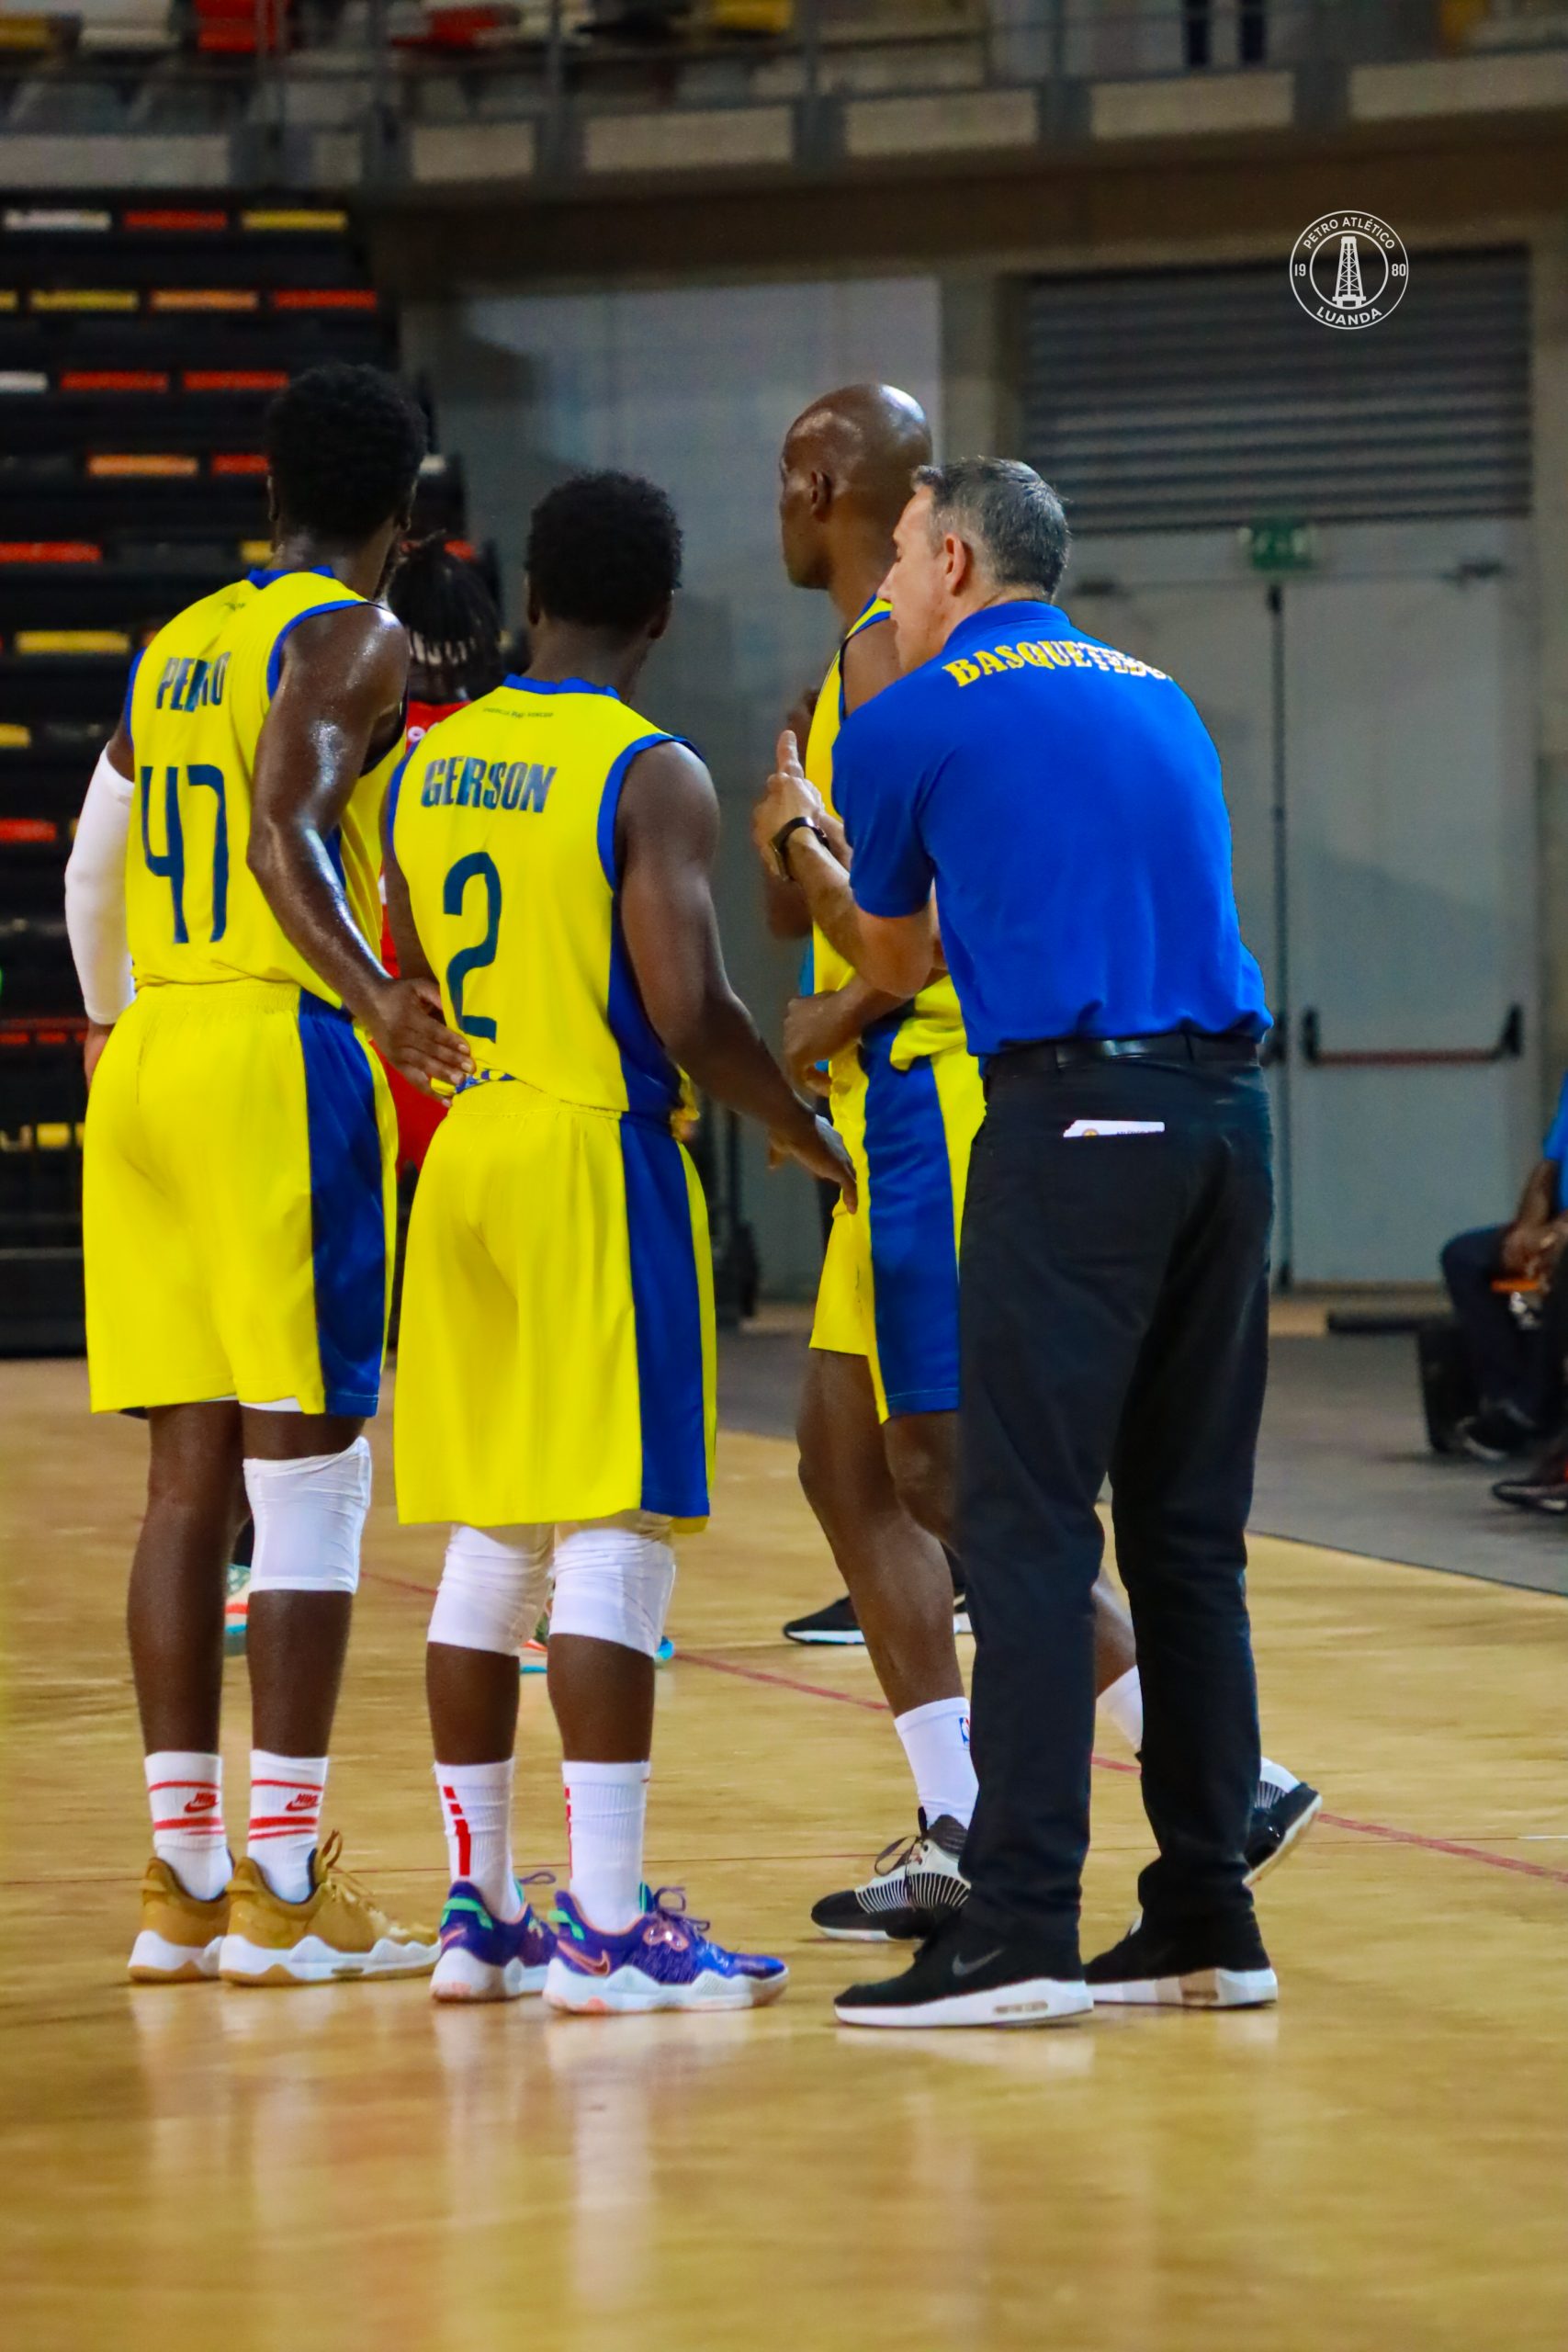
<point x="1349" y="269"/>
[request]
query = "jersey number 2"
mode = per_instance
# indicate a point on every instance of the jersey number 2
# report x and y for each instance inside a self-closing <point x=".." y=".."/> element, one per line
<point x="475" y="868"/>
<point x="169" y="863"/>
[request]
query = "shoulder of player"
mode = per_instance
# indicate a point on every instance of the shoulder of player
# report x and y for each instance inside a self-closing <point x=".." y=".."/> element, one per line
<point x="195" y="618"/>
<point x="667" y="771"/>
<point x="868" y="659"/>
<point x="340" y="632"/>
<point x="664" y="803"/>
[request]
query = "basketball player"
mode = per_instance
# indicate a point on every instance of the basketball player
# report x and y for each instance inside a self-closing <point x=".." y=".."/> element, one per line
<point x="453" y="657"/>
<point x="549" y="856"/>
<point x="237" y="1176"/>
<point x="878" y="1413"/>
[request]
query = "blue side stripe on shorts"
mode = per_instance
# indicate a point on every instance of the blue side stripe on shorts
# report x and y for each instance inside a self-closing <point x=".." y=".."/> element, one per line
<point x="666" y="1313"/>
<point x="348" y="1220"/>
<point x="913" y="1257"/>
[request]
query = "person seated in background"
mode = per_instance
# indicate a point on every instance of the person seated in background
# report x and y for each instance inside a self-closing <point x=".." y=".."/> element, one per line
<point x="1510" y="1288"/>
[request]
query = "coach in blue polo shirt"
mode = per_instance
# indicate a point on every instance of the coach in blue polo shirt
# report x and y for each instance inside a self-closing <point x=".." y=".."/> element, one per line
<point x="1063" y="801"/>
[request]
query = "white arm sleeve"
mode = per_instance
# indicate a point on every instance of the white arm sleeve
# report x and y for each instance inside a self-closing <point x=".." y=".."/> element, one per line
<point x="95" y="895"/>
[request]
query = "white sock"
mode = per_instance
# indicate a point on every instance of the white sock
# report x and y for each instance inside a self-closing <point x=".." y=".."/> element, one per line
<point x="186" y="1793"/>
<point x="476" y="1806"/>
<point x="936" y="1741"/>
<point x="606" y="1805"/>
<point x="286" y="1819"/>
<point x="1275" y="1779"/>
<point x="1124" y="1702"/>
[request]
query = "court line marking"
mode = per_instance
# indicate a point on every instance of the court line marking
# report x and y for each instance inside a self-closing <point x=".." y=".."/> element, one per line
<point x="1379" y="1829"/>
<point x="1118" y="1764"/>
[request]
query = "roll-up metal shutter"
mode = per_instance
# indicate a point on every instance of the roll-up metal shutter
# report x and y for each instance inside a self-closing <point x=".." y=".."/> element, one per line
<point x="1184" y="400"/>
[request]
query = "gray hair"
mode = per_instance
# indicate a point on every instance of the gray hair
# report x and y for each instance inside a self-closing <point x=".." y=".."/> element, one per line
<point x="1013" y="521"/>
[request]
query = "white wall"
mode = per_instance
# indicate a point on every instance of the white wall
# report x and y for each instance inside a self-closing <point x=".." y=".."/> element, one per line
<point x="694" y="387"/>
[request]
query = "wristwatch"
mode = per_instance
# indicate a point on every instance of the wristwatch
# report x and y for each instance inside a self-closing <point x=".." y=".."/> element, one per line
<point x="780" y="841"/>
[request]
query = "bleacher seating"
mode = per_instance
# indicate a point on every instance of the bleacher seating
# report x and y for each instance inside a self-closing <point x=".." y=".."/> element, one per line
<point x="139" y="344"/>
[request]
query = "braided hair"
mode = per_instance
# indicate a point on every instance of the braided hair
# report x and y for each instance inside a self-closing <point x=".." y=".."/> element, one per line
<point x="453" y="627"/>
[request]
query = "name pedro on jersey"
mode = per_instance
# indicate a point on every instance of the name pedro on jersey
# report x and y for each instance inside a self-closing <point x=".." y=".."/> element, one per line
<point x="191" y="682"/>
<point x="1048" y="653"/>
<point x="459" y="782"/>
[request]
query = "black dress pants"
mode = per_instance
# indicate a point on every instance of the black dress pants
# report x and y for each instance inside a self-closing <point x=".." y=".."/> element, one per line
<point x="1513" y="1363"/>
<point x="1114" y="1314"/>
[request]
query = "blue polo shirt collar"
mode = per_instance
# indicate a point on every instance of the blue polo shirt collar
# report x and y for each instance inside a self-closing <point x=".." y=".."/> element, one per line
<point x="1028" y="616"/>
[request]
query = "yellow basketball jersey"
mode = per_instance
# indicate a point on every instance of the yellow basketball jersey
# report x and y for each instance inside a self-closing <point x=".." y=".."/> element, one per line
<point x="933" y="1022"/>
<point x="505" y="826"/>
<point x="198" y="699"/>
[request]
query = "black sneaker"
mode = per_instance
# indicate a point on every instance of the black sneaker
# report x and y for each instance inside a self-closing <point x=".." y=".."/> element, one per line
<point x="916" y="1888"/>
<point x="1543" y="1489"/>
<point x="838" y="1627"/>
<point x="835" y="1627"/>
<point x="1281" y="1818"/>
<point x="966" y="1977"/>
<point x="1496" y="1434"/>
<point x="1218" y="1965"/>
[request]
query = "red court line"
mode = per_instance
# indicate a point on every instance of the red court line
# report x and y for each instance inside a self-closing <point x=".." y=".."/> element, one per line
<point x="1444" y="1846"/>
<point x="1105" y="1763"/>
<point x="400" y="1584"/>
<point x="783" y="1681"/>
<point x="1118" y="1764"/>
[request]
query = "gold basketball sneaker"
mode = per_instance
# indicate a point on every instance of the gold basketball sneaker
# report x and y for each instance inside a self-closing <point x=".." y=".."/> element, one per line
<point x="180" y="1937"/>
<point x="339" y="1932"/>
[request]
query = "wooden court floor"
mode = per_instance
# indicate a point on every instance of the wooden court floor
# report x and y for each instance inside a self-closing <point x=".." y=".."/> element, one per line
<point x="1382" y="2163"/>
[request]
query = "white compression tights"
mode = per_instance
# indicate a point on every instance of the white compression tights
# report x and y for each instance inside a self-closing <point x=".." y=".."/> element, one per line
<point x="612" y="1582"/>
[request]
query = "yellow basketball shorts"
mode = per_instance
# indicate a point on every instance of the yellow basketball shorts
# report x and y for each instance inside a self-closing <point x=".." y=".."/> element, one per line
<point x="556" y="1354"/>
<point x="889" y="1284"/>
<point x="238" y="1203"/>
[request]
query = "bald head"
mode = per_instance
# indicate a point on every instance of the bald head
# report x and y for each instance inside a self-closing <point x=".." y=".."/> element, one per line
<point x="846" y="472"/>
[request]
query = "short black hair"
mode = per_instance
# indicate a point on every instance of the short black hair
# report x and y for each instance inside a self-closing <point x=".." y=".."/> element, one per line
<point x="605" y="551"/>
<point x="1014" y="519"/>
<point x="343" y="446"/>
<point x="453" y="625"/>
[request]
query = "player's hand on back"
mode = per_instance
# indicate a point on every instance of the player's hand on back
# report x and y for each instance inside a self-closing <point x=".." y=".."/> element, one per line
<point x="405" y="1022"/>
<point x="820" y="1148"/>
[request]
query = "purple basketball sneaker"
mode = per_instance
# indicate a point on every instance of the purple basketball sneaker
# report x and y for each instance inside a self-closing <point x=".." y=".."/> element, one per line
<point x="664" y="1960"/>
<point x="487" y="1958"/>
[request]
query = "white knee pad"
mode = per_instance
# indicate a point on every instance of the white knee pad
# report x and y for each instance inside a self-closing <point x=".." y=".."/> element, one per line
<point x="614" y="1578"/>
<point x="492" y="1589"/>
<point x="310" y="1516"/>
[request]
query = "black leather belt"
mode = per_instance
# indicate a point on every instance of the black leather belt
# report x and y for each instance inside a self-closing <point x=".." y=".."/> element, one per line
<point x="1175" y="1046"/>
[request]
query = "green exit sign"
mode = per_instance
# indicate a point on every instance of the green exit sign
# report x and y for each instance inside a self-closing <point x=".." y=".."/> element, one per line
<point x="1279" y="544"/>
